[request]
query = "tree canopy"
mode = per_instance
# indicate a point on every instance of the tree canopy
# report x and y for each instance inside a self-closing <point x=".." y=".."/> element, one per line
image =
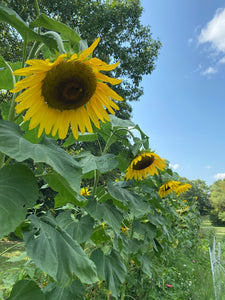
<point x="217" y="199"/>
<point x="118" y="24"/>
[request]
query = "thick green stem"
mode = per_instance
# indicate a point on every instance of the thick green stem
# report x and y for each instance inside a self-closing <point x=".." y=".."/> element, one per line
<point x="123" y="291"/>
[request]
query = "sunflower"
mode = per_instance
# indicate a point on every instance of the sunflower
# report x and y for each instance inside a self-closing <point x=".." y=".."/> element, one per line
<point x="168" y="187"/>
<point x="144" y="164"/>
<point x="85" y="192"/>
<point x="68" y="92"/>
<point x="182" y="188"/>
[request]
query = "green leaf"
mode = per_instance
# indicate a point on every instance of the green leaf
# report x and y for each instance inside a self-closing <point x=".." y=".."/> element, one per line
<point x="18" y="192"/>
<point x="16" y="146"/>
<point x="86" y="137"/>
<point x="99" y="236"/>
<point x="103" y="164"/>
<point x="12" y="18"/>
<point x="65" y="193"/>
<point x="80" y="230"/>
<point x="111" y="269"/>
<point x="26" y="290"/>
<point x="106" y="212"/>
<point x="75" y="291"/>
<point x="56" y="253"/>
<point x="136" y="203"/>
<point x="146" y="230"/>
<point x="6" y="77"/>
<point x="146" y="264"/>
<point x="117" y="122"/>
<point x="51" y="24"/>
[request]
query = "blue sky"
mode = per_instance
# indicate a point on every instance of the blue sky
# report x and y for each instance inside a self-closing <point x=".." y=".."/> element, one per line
<point x="183" y="107"/>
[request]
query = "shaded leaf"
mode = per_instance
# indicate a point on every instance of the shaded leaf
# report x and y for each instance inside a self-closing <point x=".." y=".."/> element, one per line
<point x="106" y="212"/>
<point x="16" y="146"/>
<point x="18" y="192"/>
<point x="147" y="230"/>
<point x="99" y="235"/>
<point x="86" y="137"/>
<point x="135" y="202"/>
<point x="111" y="269"/>
<point x="80" y="230"/>
<point x="56" y="253"/>
<point x="65" y="193"/>
<point x="103" y="164"/>
<point x="146" y="264"/>
<point x="75" y="291"/>
<point x="26" y="290"/>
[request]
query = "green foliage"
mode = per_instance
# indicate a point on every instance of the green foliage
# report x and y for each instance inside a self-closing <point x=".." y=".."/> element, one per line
<point x="19" y="192"/>
<point x="111" y="240"/>
<point x="217" y="199"/>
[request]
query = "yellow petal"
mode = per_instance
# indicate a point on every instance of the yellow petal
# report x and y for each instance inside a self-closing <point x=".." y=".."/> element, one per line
<point x="109" y="92"/>
<point x="85" y="53"/>
<point x="105" y="78"/>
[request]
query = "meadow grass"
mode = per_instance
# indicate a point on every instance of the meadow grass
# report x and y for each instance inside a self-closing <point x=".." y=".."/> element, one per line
<point x="206" y="225"/>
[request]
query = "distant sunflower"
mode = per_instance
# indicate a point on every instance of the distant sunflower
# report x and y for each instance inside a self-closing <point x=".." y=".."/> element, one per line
<point x="68" y="92"/>
<point x="182" y="188"/>
<point x="85" y="192"/>
<point x="145" y="164"/>
<point x="168" y="187"/>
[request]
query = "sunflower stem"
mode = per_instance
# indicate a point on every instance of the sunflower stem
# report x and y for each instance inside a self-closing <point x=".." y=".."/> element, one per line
<point x="37" y="7"/>
<point x="96" y="179"/>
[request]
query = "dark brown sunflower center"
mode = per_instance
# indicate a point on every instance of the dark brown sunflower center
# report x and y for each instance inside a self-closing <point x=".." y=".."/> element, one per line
<point x="145" y="162"/>
<point x="167" y="188"/>
<point x="69" y="85"/>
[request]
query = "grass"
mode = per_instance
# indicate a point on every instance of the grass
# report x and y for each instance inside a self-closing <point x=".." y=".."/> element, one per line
<point x="9" y="270"/>
<point x="207" y="225"/>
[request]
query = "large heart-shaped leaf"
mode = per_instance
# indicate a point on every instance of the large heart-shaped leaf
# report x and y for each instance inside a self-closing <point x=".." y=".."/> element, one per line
<point x="56" y="253"/>
<point x="65" y="193"/>
<point x="80" y="230"/>
<point x="75" y="291"/>
<point x="16" y="146"/>
<point x="106" y="212"/>
<point x="18" y="192"/>
<point x="136" y="203"/>
<point x="26" y="290"/>
<point x="110" y="268"/>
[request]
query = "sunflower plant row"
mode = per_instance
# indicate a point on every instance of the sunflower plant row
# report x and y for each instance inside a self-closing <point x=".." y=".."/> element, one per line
<point x="113" y="205"/>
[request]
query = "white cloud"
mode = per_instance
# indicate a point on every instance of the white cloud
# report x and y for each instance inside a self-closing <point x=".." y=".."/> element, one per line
<point x="209" y="71"/>
<point x="174" y="167"/>
<point x="222" y="60"/>
<point x="190" y="41"/>
<point x="219" y="176"/>
<point x="214" y="31"/>
<point x="208" y="167"/>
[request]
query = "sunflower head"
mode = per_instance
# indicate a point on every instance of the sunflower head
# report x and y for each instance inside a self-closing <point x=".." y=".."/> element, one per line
<point x="69" y="92"/>
<point x="168" y="187"/>
<point x="146" y="163"/>
<point x="182" y="188"/>
<point x="85" y="192"/>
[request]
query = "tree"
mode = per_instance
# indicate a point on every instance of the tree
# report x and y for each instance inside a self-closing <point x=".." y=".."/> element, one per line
<point x="199" y="193"/>
<point x="217" y="199"/>
<point x="123" y="37"/>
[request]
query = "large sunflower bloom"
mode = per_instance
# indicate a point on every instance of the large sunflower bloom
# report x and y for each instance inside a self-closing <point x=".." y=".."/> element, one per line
<point x="144" y="164"/>
<point x="182" y="188"/>
<point x="68" y="92"/>
<point x="168" y="187"/>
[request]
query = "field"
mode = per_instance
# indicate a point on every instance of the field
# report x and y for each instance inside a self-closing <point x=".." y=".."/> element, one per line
<point x="206" y="226"/>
